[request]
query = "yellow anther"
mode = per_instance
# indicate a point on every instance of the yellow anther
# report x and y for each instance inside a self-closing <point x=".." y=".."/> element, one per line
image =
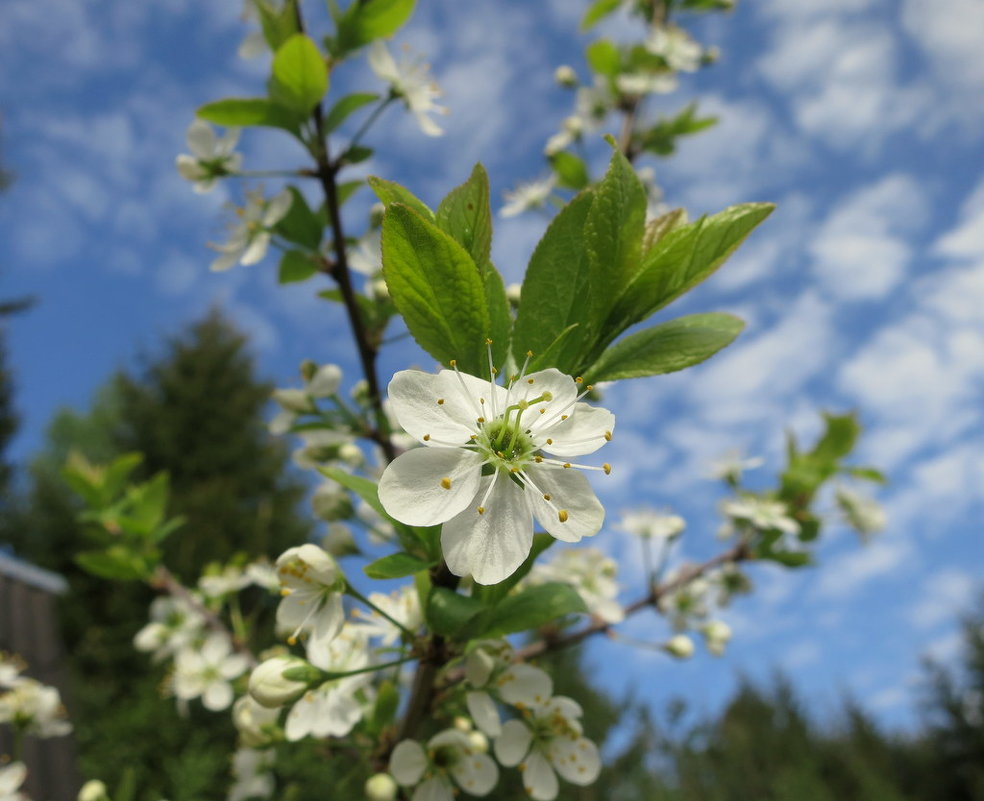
<point x="562" y="514"/>
<point x="453" y="362"/>
<point x="549" y="442"/>
<point x="440" y="401"/>
<point x="480" y="419"/>
<point x="427" y="437"/>
<point x="546" y="496"/>
<point x="607" y="468"/>
<point x="513" y="469"/>
<point x="538" y="459"/>
<point x="567" y="464"/>
<point x="543" y="411"/>
<point x="590" y="387"/>
<point x="529" y="354"/>
<point x="482" y="401"/>
<point x="285" y="592"/>
<point x="564" y="416"/>
<point x="529" y="380"/>
<point x="608" y="436"/>
<point x="481" y="510"/>
<point x="579" y="380"/>
<point x="488" y="341"/>
<point x="446" y="483"/>
<point x="292" y="640"/>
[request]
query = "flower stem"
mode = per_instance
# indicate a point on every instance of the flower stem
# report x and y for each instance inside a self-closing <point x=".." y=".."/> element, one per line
<point x="350" y="590"/>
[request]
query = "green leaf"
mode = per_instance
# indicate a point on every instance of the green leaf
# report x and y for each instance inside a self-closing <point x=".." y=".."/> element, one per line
<point x="867" y="474"/>
<point x="300" y="76"/>
<point x="788" y="558"/>
<point x="839" y="438"/>
<point x="116" y="563"/>
<point x="660" y="139"/>
<point x="667" y="347"/>
<point x="392" y="192"/>
<point x="604" y="58"/>
<point x="466" y="215"/>
<point x="296" y="265"/>
<point x="661" y="226"/>
<point x="534" y="607"/>
<point x="396" y="565"/>
<point x="356" y="154"/>
<point x="613" y="234"/>
<point x="363" y="487"/>
<point x="368" y="20"/>
<point x="301" y="225"/>
<point x="118" y="473"/>
<point x="278" y="24"/>
<point x="571" y="171"/>
<point x="448" y="612"/>
<point x="598" y="11"/>
<point x="435" y="285"/>
<point x="344" y="107"/>
<point x="682" y="259"/>
<point x="387" y="703"/>
<point x="556" y="287"/>
<point x="347" y="189"/>
<point x="245" y="111"/>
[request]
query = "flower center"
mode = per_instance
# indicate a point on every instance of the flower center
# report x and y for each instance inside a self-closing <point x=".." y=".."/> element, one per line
<point x="504" y="445"/>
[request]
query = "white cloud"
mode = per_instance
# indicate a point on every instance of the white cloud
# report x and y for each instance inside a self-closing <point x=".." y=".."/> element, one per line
<point x="945" y="595"/>
<point x="949" y="32"/>
<point x="966" y="240"/>
<point x="846" y="574"/>
<point x="861" y="251"/>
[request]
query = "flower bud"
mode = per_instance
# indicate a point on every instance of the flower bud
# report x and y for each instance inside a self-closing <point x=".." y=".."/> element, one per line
<point x="716" y="633"/>
<point x="680" y="646"/>
<point x="381" y="787"/>
<point x="338" y="541"/>
<point x="360" y="392"/>
<point x="293" y="400"/>
<point x="479" y="742"/>
<point x="93" y="790"/>
<point x="461" y="723"/>
<point x="379" y="290"/>
<point x="267" y="684"/>
<point x="565" y="76"/>
<point x="256" y="724"/>
<point x="324" y="381"/>
<point x="513" y="292"/>
<point x="351" y="454"/>
<point x="376" y="215"/>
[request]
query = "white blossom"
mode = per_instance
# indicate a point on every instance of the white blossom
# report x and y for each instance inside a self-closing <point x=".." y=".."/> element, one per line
<point x="717" y="634"/>
<point x="688" y="602"/>
<point x="489" y="670"/>
<point x="410" y="80"/>
<point x="211" y="156"/>
<point x="207" y="672"/>
<point x="366" y="257"/>
<point x="760" y="513"/>
<point x="175" y="624"/>
<point x="11" y="778"/>
<point x="531" y="195"/>
<point x="468" y="426"/>
<point x="381" y="787"/>
<point x="730" y="466"/>
<point x="589" y="572"/>
<point x="646" y="83"/>
<point x="251" y="771"/>
<point x="228" y="580"/>
<point x="331" y="709"/>
<point x="403" y="605"/>
<point x="864" y="514"/>
<point x="650" y="524"/>
<point x="10" y="670"/>
<point x="249" y="240"/>
<point x="312" y="586"/>
<point x="548" y="740"/>
<point x="675" y="47"/>
<point x="447" y="760"/>
<point x="270" y="688"/>
<point x="93" y="790"/>
<point x="256" y="724"/>
<point x="34" y="708"/>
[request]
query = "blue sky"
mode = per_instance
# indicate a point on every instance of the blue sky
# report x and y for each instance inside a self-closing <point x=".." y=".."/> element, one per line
<point x="860" y="118"/>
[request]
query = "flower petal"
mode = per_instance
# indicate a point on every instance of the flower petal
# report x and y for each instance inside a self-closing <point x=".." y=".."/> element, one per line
<point x="577" y="761"/>
<point x="569" y="492"/>
<point x="525" y="686"/>
<point x="513" y="744"/>
<point x="437" y="788"/>
<point x="217" y="696"/>
<point x="428" y="405"/>
<point x="539" y="778"/>
<point x="408" y="762"/>
<point x="476" y="774"/>
<point x="277" y="208"/>
<point x="490" y="546"/>
<point x="484" y="712"/>
<point x="560" y="386"/>
<point x="584" y="431"/>
<point x="256" y="249"/>
<point x="201" y="140"/>
<point x="426" y="486"/>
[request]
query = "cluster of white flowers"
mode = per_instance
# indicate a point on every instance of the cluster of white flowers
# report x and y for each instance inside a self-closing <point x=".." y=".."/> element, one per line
<point x="323" y="382"/>
<point x="402" y="606"/>
<point x="249" y="239"/>
<point x="28" y="705"/>
<point x="211" y="156"/>
<point x="207" y="671"/>
<point x="494" y="459"/>
<point x="251" y="773"/>
<point x="649" y="524"/>
<point x="731" y="465"/>
<point x="544" y="739"/>
<point x="409" y="79"/>
<point x="589" y="572"/>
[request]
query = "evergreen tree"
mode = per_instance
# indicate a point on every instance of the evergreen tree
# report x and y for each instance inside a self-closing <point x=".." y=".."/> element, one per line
<point x="197" y="411"/>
